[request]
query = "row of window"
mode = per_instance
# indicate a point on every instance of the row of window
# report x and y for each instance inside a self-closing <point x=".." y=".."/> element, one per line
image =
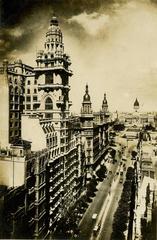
<point x="14" y="106"/>
<point x="48" y="104"/>
<point x="52" y="64"/>
<point x="16" y="124"/>
<point x="28" y="98"/>
<point x="28" y="107"/>
<point x="29" y="82"/>
<point x="14" y="115"/>
<point x="14" y="133"/>
<point x="52" y="141"/>
<point x="16" y="90"/>
<point x="57" y="39"/>
<point x="13" y="79"/>
<point x="28" y="91"/>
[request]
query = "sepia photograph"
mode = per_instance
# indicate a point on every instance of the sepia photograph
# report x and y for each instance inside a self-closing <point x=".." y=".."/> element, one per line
<point x="78" y="119"/>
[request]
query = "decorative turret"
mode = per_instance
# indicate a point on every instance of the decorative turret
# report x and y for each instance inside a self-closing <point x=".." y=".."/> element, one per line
<point x="136" y="105"/>
<point x="104" y="104"/>
<point x="86" y="104"/>
<point x="86" y="97"/>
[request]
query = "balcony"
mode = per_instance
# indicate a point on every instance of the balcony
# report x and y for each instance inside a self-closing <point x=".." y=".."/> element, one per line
<point x="52" y="68"/>
<point x="52" y="87"/>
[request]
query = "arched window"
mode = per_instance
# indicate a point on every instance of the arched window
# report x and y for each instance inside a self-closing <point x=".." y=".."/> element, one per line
<point x="48" y="104"/>
<point x="16" y="90"/>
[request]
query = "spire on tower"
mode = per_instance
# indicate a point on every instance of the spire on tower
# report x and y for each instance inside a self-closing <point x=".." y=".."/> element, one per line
<point x="86" y="97"/>
<point x="86" y="88"/>
<point x="86" y="104"/>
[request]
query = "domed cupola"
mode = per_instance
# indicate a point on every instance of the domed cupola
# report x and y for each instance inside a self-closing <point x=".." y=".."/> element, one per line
<point x="86" y="97"/>
<point x="54" y="21"/>
<point x="54" y="32"/>
<point x="53" y="54"/>
<point x="54" y="26"/>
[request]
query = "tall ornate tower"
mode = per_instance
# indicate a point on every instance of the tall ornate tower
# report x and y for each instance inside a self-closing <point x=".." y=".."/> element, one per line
<point x="52" y="74"/>
<point x="52" y="79"/>
<point x="136" y="105"/>
<point x="87" y="128"/>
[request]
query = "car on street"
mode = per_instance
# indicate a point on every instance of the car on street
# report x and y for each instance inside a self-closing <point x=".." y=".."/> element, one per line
<point x="94" y="216"/>
<point x="96" y="229"/>
<point x="121" y="179"/>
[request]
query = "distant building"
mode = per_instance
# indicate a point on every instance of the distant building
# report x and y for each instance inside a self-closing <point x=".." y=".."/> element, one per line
<point x="137" y="118"/>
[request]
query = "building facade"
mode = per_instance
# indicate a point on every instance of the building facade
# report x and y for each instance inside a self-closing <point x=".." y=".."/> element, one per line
<point x="94" y="132"/>
<point x="12" y="78"/>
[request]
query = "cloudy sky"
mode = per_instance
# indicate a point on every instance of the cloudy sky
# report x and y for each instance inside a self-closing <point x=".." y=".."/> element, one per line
<point x="112" y="45"/>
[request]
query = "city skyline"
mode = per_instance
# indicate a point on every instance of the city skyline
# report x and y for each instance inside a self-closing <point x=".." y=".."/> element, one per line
<point x="88" y="171"/>
<point x="112" y="48"/>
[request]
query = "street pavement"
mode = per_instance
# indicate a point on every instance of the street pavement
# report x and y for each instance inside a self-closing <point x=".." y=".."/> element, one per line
<point x="87" y="223"/>
<point x="105" y="202"/>
<point x="106" y="225"/>
<point x="106" y="229"/>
